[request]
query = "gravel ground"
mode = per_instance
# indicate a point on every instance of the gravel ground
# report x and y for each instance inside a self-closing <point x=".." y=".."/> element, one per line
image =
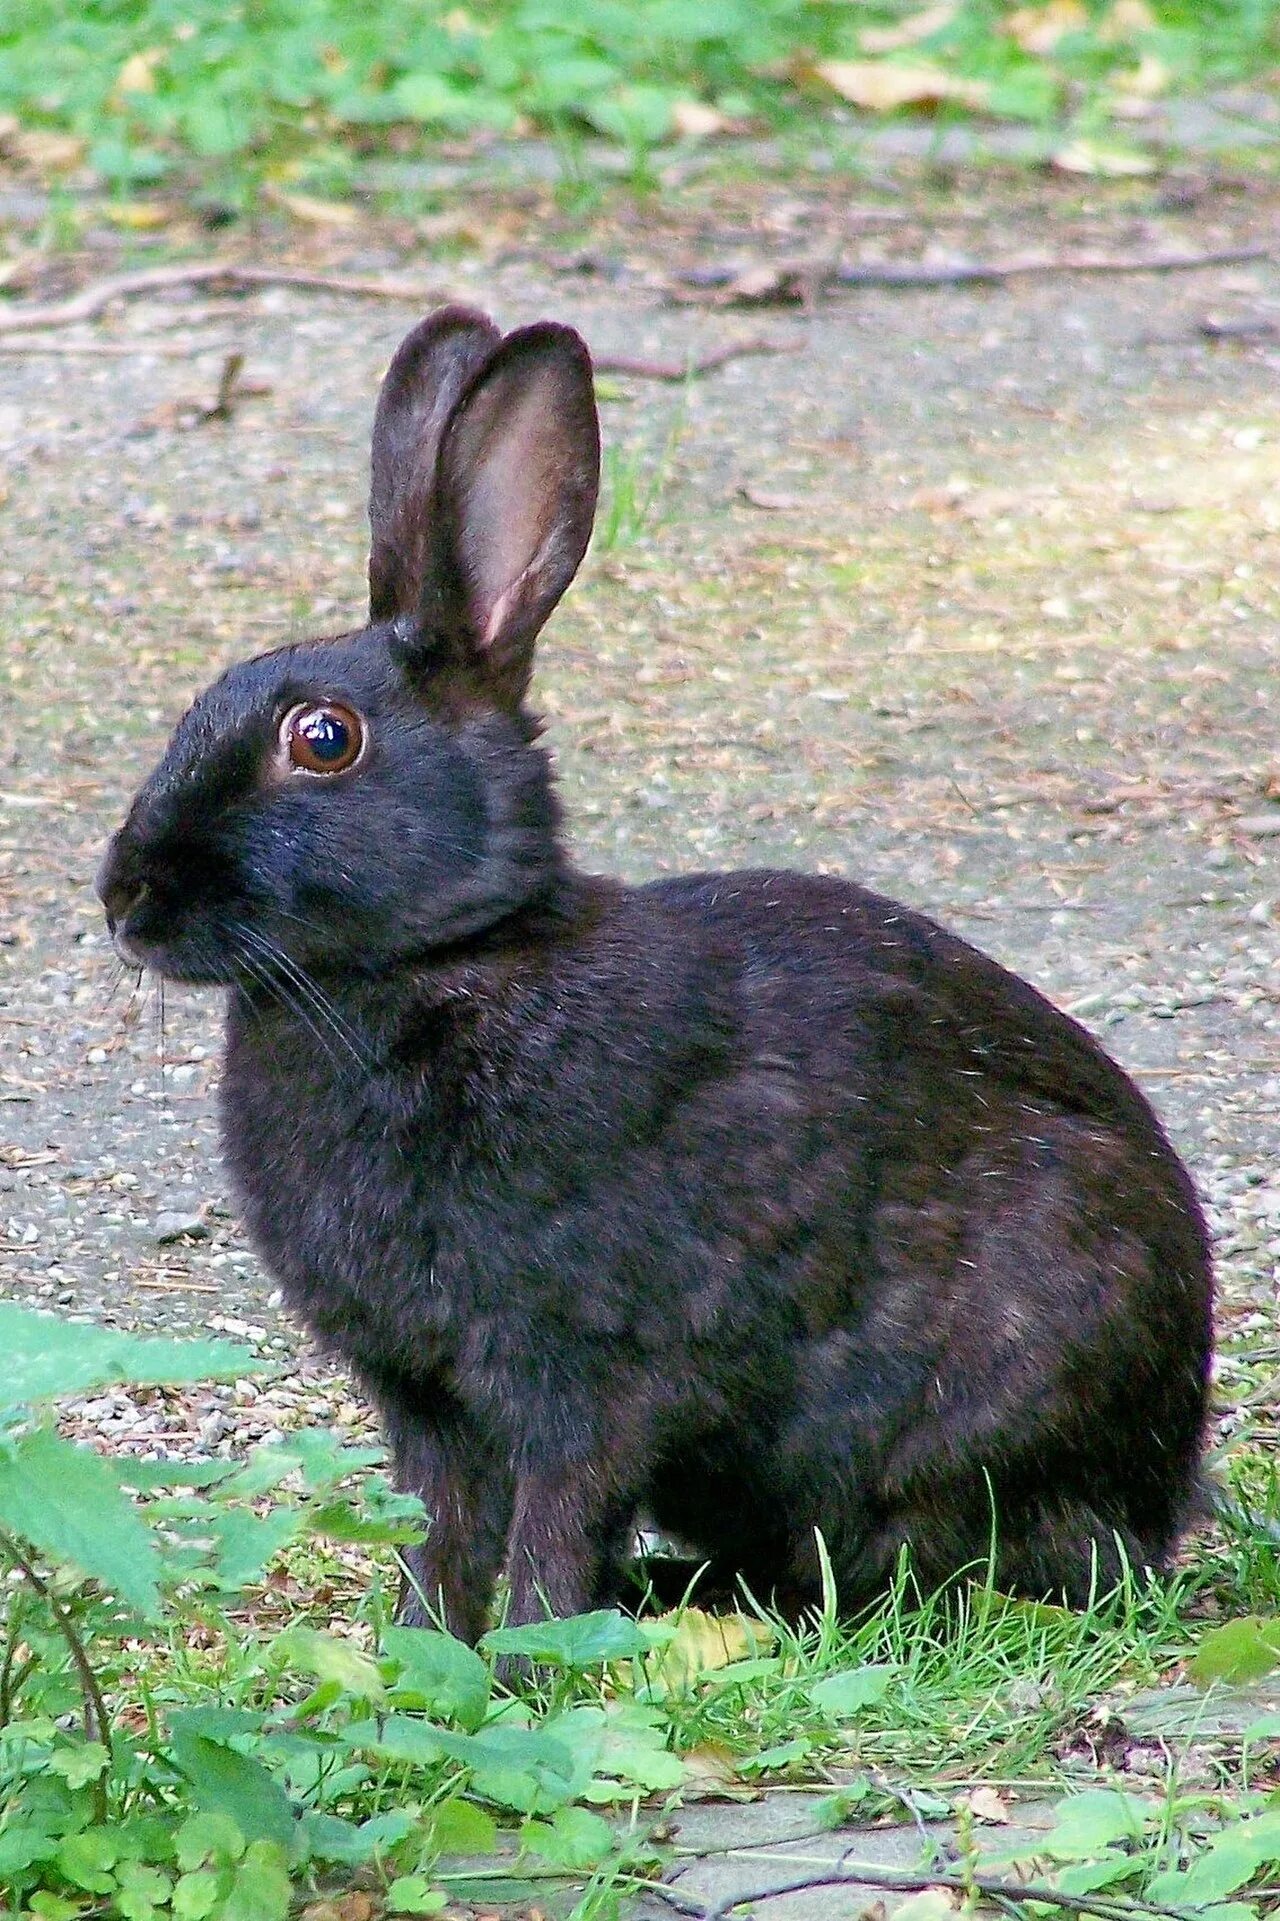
<point x="969" y="593"/>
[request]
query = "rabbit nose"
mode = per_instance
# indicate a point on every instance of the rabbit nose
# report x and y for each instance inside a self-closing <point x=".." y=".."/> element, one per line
<point x="119" y="897"/>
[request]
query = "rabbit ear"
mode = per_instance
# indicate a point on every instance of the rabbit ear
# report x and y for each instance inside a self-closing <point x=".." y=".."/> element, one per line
<point x="515" y="497"/>
<point x="429" y="371"/>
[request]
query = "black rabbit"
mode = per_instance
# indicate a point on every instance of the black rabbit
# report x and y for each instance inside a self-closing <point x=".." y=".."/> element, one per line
<point x="751" y="1202"/>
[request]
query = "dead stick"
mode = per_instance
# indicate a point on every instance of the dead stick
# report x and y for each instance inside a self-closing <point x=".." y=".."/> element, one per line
<point x="106" y="349"/>
<point x="995" y="272"/>
<point x="90" y="301"/>
<point x="690" y="369"/>
<point x="897" y="1881"/>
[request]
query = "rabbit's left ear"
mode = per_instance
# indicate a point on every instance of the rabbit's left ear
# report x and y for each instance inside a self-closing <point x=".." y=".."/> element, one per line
<point x="515" y="497"/>
<point x="429" y="371"/>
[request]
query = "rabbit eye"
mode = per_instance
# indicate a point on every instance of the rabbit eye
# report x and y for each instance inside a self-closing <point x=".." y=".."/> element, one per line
<point x="323" y="740"/>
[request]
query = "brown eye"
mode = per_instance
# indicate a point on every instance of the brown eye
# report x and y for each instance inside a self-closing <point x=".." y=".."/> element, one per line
<point x="323" y="740"/>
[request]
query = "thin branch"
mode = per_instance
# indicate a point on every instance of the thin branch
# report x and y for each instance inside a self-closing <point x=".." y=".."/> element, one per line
<point x="902" y="1881"/>
<point x="29" y="316"/>
<point x="795" y="279"/>
<point x="691" y="369"/>
<point x="96" y="1718"/>
<point x="996" y="272"/>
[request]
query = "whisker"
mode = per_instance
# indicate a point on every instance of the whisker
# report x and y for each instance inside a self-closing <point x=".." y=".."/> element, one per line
<point x="278" y="988"/>
<point x="284" y="964"/>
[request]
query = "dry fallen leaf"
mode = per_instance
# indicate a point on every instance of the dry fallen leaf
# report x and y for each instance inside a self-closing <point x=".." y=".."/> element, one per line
<point x="695" y="120"/>
<point x="1126" y="20"/>
<point x="908" y="32"/>
<point x="768" y="502"/>
<point x="1107" y="163"/>
<point x="138" y="74"/>
<point x="44" y="150"/>
<point x="1146" y="81"/>
<point x="1038" y="30"/>
<point x="985" y="1804"/>
<point x="315" y="213"/>
<point x="881" y="85"/>
<point x="702" y="1643"/>
<point x="137" y="216"/>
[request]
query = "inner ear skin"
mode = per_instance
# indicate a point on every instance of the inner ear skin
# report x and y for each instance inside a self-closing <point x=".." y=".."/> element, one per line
<point x="518" y="480"/>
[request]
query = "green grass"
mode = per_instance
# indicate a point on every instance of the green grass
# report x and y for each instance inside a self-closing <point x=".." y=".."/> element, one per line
<point x="302" y="91"/>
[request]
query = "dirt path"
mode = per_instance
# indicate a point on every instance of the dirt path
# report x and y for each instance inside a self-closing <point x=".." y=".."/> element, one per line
<point x="972" y="594"/>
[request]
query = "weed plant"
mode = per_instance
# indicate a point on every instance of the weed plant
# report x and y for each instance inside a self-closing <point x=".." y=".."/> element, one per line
<point x="303" y="90"/>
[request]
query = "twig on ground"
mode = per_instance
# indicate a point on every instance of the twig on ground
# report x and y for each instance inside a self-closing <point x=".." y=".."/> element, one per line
<point x="29" y="316"/>
<point x="691" y="369"/>
<point x="994" y="272"/>
<point x="904" y="1881"/>
<point x="755" y="286"/>
<point x="103" y="349"/>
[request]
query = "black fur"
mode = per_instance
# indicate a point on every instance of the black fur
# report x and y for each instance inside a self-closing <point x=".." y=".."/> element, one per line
<point x="752" y="1201"/>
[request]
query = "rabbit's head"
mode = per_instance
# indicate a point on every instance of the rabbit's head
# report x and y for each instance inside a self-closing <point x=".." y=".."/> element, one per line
<point x="346" y="804"/>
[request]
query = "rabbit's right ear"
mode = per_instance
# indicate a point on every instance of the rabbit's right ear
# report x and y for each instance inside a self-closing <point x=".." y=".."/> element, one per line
<point x="430" y="370"/>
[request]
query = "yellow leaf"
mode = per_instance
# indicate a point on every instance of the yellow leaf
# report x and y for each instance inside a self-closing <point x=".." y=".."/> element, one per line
<point x="45" y="151"/>
<point x="136" y="216"/>
<point x="1145" y="81"/>
<point x="695" y="120"/>
<point x="1107" y="163"/>
<point x="315" y="213"/>
<point x="702" y="1643"/>
<point x="908" y="32"/>
<point x="138" y="74"/>
<point x="931" y="1904"/>
<point x="880" y="86"/>
<point x="1126" y="20"/>
<point x="1038" y="30"/>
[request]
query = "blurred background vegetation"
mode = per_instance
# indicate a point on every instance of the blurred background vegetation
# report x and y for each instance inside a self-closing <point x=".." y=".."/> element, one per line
<point x="146" y="96"/>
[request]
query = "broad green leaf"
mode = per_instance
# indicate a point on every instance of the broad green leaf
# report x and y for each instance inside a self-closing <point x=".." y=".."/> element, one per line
<point x="1090" y="1822"/>
<point x="142" y="1890"/>
<point x="329" y="1837"/>
<point x="21" y="1847"/>
<point x="331" y="1659"/>
<point x="387" y="1831"/>
<point x="342" y="1520"/>
<point x="224" y="1781"/>
<point x="623" y="1746"/>
<point x="770" y="1760"/>
<point x="1237" y="1652"/>
<point x="261" y="1889"/>
<point x="573" y="1838"/>
<point x="196" y="1894"/>
<point x="582" y="1641"/>
<point x="414" y="1894"/>
<point x="525" y="1769"/>
<point x="46" y="1357"/>
<point x="47" y="1906"/>
<point x="1082" y="1877"/>
<point x="1231" y="1860"/>
<point x="210" y="1835"/>
<point x="1267" y="1729"/>
<point x="64" y="1501"/>
<point x="246" y="1542"/>
<point x="841" y="1696"/>
<point x="80" y="1764"/>
<point x="86" y="1859"/>
<point x="458" y="1826"/>
<point x="438" y="1674"/>
<point x="171" y="1472"/>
